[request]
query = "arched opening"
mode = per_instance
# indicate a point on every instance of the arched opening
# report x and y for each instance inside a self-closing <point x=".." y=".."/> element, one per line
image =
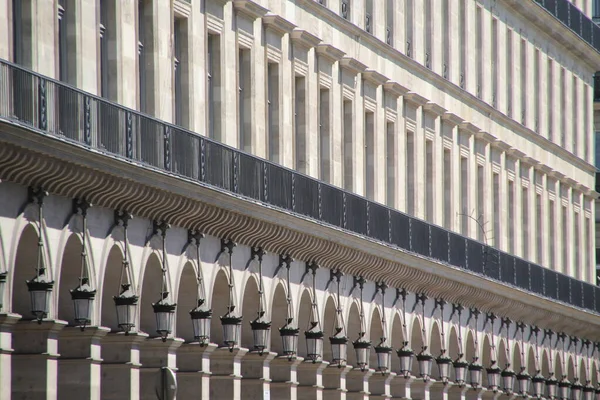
<point x="110" y="288"/>
<point x="517" y="357"/>
<point x="582" y="371"/>
<point x="303" y="320"/>
<point x="594" y="374"/>
<point x="558" y="366"/>
<point x="453" y="349"/>
<point x="328" y="324"/>
<point x="249" y="312"/>
<point x="397" y="340"/>
<point x="70" y="271"/>
<point x="486" y="358"/>
<point x="531" y="362"/>
<point x="375" y="335"/>
<point x="470" y="349"/>
<point x="502" y="356"/>
<point x="435" y="348"/>
<point x="571" y="369"/>
<point x="545" y="364"/>
<point x="24" y="270"/>
<point x="279" y="308"/>
<point x="150" y="293"/>
<point x="416" y="342"/>
<point x="187" y="296"/>
<point x="352" y="332"/>
<point x="219" y="302"/>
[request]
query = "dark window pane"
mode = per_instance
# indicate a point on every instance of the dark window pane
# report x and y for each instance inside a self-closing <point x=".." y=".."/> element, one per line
<point x="419" y="237"/>
<point x="400" y="229"/>
<point x="355" y="214"/>
<point x="379" y="222"/>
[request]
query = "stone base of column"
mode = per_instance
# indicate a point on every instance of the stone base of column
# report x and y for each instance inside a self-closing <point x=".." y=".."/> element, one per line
<point x="457" y="392"/>
<point x="310" y="379"/>
<point x="420" y="389"/>
<point x="439" y="390"/>
<point x="256" y="377"/>
<point x="357" y="384"/>
<point x="34" y="361"/>
<point x="6" y="327"/>
<point x="154" y="355"/>
<point x="474" y="394"/>
<point x="334" y="381"/>
<point x="79" y="362"/>
<point x="379" y="385"/>
<point x="226" y="373"/>
<point x="121" y="366"/>
<point x="193" y="370"/>
<point x="400" y="387"/>
<point x="284" y="377"/>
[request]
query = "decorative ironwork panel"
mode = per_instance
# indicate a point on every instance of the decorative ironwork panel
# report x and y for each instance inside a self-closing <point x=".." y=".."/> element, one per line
<point x="218" y="164"/>
<point x="400" y="229"/>
<point x="588" y="296"/>
<point x="458" y="250"/>
<point x="21" y="87"/>
<point x="507" y="268"/>
<point x="332" y="205"/>
<point x="586" y="29"/>
<point x="550" y="5"/>
<point x="279" y="186"/>
<point x="596" y="36"/>
<point x="148" y="141"/>
<point x="251" y="177"/>
<point x="439" y="243"/>
<point x="67" y="111"/>
<point x="562" y="11"/>
<point x="537" y="276"/>
<point x="574" y="19"/>
<point x="551" y="283"/>
<point x="419" y="237"/>
<point x="185" y="148"/>
<point x="597" y="298"/>
<point x="564" y="288"/>
<point x="356" y="214"/>
<point x="379" y="222"/>
<point x="306" y="196"/>
<point x="576" y="292"/>
<point x="492" y="263"/>
<point x="522" y="273"/>
<point x="476" y="256"/>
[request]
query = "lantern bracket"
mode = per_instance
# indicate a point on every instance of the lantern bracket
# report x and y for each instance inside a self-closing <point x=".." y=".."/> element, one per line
<point x="456" y="309"/>
<point x="533" y="330"/>
<point x="284" y="259"/>
<point x="379" y="288"/>
<point x="489" y="317"/>
<point x="400" y="294"/>
<point x="333" y="274"/>
<point x="122" y="218"/>
<point x="473" y="312"/>
<point x="419" y="298"/>
<point x="311" y="267"/>
<point x="80" y="206"/>
<point x="195" y="236"/>
<point x="37" y="195"/>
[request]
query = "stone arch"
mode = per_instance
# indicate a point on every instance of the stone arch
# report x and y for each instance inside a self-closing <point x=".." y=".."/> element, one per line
<point x="376" y="334"/>
<point x="470" y="348"/>
<point x="583" y="376"/>
<point x="435" y="347"/>
<point x="453" y="343"/>
<point x="70" y="270"/>
<point x="279" y="310"/>
<point x="151" y="289"/>
<point x="558" y="366"/>
<point x="110" y="287"/>
<point x="545" y="363"/>
<point x="250" y="302"/>
<point x="24" y="269"/>
<point x="532" y="364"/>
<point x="593" y="373"/>
<point x="517" y="359"/>
<point x="486" y="357"/>
<point x="353" y="328"/>
<point x="396" y="338"/>
<point x="416" y="342"/>
<point x="571" y="368"/>
<point x="302" y="319"/>
<point x="328" y="324"/>
<point x="503" y="359"/>
<point x="218" y="304"/>
<point x="187" y="299"/>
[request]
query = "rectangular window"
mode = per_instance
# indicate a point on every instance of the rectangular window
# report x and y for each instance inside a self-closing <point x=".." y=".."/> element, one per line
<point x="391" y="164"/>
<point x="348" y="131"/>
<point x="538" y="228"/>
<point x="495" y="47"/>
<point x="536" y="94"/>
<point x="479" y="46"/>
<point x="300" y="124"/>
<point x="447" y="189"/>
<point x="180" y="65"/>
<point x="369" y="16"/>
<point x="574" y="117"/>
<point x="389" y="31"/>
<point x="509" y="73"/>
<point x="463" y="42"/>
<point x="18" y="37"/>
<point x="576" y="252"/>
<point x="273" y="111"/>
<point x="428" y="34"/>
<point x="496" y="183"/>
<point x="370" y="155"/>
<point x="550" y="106"/>
<point x="464" y="195"/>
<point x="446" y="45"/>
<point x="410" y="173"/>
<point x="511" y="217"/>
<point x="563" y="104"/>
<point x="142" y="73"/>
<point x="63" y="65"/>
<point x="587" y="262"/>
<point x="245" y="99"/>
<point x="480" y="203"/>
<point x="429" y="180"/>
<point x="551" y="234"/>
<point x="408" y="24"/>
<point x="345" y="8"/>
<point x="525" y="217"/>
<point x="523" y="83"/>
<point x="213" y="60"/>
<point x="325" y="139"/>
<point x="103" y="48"/>
<point x="565" y="241"/>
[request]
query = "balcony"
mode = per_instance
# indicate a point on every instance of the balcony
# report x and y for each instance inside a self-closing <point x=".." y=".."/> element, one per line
<point x="77" y="117"/>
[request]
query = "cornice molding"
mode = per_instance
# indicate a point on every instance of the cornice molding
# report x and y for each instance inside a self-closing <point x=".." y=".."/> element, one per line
<point x="278" y="24"/>
<point x="374" y="77"/>
<point x="434" y="108"/>
<point x="415" y="98"/>
<point x="329" y="52"/>
<point x="250" y="8"/>
<point x="395" y="88"/>
<point x="352" y="65"/>
<point x="303" y="38"/>
<point x="452" y="118"/>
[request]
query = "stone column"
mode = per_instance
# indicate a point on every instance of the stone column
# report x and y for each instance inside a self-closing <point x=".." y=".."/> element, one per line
<point x="420" y="389"/>
<point x="121" y="366"/>
<point x="284" y="378"/>
<point x="400" y="386"/>
<point x="6" y="327"/>
<point x="357" y="384"/>
<point x="226" y="373"/>
<point x="256" y="380"/>
<point x="34" y="361"/>
<point x="193" y="371"/>
<point x="456" y="392"/>
<point x="154" y="355"/>
<point x="79" y="362"/>
<point x="310" y="380"/>
<point x="439" y="390"/>
<point x="379" y="385"/>
<point x="334" y="382"/>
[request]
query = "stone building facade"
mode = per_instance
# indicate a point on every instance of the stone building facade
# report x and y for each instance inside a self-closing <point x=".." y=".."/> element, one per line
<point x="430" y="162"/>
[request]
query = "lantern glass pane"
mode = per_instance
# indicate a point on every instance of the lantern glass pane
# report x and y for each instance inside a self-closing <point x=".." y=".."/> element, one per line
<point x="314" y="348"/>
<point x="524" y="386"/>
<point x="362" y="356"/>
<point x="493" y="377"/>
<point x="290" y="344"/>
<point x="231" y="334"/>
<point x="406" y="364"/>
<point x="260" y="338"/>
<point x="164" y="321"/>
<point x="460" y="373"/>
<point x="383" y="361"/>
<point x="83" y="310"/>
<point x="2" y="288"/>
<point x="126" y="316"/>
<point x="201" y="327"/>
<point x="40" y="301"/>
<point x="339" y="353"/>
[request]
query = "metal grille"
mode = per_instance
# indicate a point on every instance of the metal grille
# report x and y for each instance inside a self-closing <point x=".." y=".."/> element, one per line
<point x="306" y="196"/>
<point x="439" y="236"/>
<point x="476" y="256"/>
<point x="379" y="222"/>
<point x="537" y="278"/>
<point x="250" y="181"/>
<point x="332" y="205"/>
<point x="419" y="237"/>
<point x="400" y="230"/>
<point x="507" y="268"/>
<point x="279" y="186"/>
<point x="355" y="214"/>
<point x="458" y="250"/>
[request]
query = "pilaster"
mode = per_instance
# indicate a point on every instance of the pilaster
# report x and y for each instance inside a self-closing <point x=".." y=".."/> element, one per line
<point x="7" y="322"/>
<point x="334" y="382"/>
<point x="256" y="379"/>
<point x="193" y="370"/>
<point x="310" y="380"/>
<point x="357" y="383"/>
<point x="121" y="366"/>
<point x="400" y="386"/>
<point x="284" y="377"/>
<point x="226" y="369"/>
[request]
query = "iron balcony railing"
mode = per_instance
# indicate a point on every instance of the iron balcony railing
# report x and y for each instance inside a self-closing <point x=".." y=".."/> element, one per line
<point x="567" y="13"/>
<point x="63" y="111"/>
